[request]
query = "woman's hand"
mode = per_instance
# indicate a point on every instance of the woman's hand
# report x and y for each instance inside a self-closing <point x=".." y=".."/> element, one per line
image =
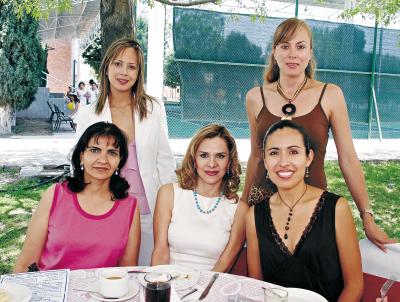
<point x="375" y="234"/>
<point x="380" y="300"/>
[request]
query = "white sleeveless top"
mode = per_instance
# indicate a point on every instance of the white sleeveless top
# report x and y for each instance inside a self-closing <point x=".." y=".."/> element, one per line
<point x="195" y="239"/>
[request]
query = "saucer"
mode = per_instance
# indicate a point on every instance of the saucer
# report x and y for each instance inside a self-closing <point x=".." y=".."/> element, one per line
<point x="132" y="291"/>
<point x="17" y="292"/>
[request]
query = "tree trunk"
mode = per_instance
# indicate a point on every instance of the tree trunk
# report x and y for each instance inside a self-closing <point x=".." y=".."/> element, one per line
<point x="117" y="21"/>
<point x="6" y="114"/>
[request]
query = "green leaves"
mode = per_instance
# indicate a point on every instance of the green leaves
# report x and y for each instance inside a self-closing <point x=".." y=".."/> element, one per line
<point x="38" y="8"/>
<point x="383" y="11"/>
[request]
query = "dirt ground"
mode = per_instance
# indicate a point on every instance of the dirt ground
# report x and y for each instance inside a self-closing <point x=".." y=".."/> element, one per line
<point x="27" y="126"/>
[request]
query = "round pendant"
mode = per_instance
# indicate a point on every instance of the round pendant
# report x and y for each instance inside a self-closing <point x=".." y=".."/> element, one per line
<point x="289" y="109"/>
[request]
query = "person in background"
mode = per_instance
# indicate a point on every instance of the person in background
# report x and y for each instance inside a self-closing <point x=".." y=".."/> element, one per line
<point x="89" y="220"/>
<point x="82" y="93"/>
<point x="194" y="220"/>
<point x="92" y="92"/>
<point x="302" y="236"/>
<point x="291" y="92"/>
<point x="124" y="102"/>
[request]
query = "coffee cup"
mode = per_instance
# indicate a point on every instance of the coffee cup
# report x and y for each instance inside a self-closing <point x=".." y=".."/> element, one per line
<point x="157" y="287"/>
<point x="113" y="283"/>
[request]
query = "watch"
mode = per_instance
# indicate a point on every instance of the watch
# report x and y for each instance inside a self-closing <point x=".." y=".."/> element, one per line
<point x="363" y="211"/>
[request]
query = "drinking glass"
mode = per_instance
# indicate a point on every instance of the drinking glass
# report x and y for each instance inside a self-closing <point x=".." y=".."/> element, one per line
<point x="157" y="287"/>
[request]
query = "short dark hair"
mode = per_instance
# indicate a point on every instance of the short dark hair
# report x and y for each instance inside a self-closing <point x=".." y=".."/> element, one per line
<point x="288" y="124"/>
<point x="91" y="82"/>
<point x="118" y="185"/>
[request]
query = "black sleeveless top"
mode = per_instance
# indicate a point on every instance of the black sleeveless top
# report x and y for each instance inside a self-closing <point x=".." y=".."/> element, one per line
<point x="315" y="263"/>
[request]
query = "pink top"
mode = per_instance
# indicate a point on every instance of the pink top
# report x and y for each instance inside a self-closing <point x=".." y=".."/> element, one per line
<point x="79" y="240"/>
<point x="132" y="175"/>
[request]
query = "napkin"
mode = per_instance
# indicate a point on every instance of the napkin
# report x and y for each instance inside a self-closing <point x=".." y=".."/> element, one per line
<point x="379" y="263"/>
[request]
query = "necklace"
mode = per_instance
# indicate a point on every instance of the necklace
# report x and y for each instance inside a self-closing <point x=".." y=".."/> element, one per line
<point x="208" y="211"/>
<point x="290" y="211"/>
<point x="290" y="109"/>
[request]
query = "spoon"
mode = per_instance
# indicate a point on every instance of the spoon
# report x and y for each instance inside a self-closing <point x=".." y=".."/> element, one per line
<point x="94" y="292"/>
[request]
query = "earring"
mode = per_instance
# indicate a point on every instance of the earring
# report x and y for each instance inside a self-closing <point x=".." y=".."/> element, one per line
<point x="308" y="69"/>
<point x="228" y="172"/>
<point x="307" y="175"/>
<point x="116" y="172"/>
<point x="266" y="174"/>
<point x="82" y="168"/>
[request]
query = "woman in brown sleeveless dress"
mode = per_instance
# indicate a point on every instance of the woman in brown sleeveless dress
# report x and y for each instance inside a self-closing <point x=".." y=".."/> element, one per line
<point x="291" y="92"/>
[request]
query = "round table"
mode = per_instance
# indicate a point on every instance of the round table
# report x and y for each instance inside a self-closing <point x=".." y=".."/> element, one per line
<point x="227" y="285"/>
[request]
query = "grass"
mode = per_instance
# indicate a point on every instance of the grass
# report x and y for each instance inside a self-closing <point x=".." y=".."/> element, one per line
<point x="383" y="182"/>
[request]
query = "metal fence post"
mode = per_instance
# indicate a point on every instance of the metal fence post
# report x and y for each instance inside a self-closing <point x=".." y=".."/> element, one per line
<point x="372" y="83"/>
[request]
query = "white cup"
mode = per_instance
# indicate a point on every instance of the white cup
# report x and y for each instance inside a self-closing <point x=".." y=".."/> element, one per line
<point x="113" y="282"/>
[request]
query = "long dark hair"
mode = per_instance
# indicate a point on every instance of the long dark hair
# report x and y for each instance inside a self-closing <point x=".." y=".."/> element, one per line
<point x="118" y="185"/>
<point x="288" y="124"/>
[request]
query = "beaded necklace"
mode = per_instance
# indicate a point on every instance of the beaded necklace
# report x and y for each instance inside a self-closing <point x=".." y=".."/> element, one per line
<point x="199" y="207"/>
<point x="290" y="211"/>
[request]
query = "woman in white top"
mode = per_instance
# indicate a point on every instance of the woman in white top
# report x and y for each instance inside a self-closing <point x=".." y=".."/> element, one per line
<point x="194" y="220"/>
<point x="82" y="93"/>
<point x="124" y="102"/>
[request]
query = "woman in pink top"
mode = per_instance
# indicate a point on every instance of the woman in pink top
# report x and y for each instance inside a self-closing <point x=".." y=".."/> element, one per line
<point x="89" y="220"/>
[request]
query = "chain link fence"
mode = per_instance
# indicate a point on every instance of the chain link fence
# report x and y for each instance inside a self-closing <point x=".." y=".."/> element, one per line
<point x="218" y="57"/>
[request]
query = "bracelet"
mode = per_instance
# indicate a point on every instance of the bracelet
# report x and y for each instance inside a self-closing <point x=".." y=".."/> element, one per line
<point x="363" y="211"/>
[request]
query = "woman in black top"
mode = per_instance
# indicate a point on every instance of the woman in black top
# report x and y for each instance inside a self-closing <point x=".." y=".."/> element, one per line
<point x="302" y="236"/>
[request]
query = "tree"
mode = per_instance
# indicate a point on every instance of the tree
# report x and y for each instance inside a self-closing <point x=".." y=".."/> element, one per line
<point x="116" y="16"/>
<point x="383" y="11"/>
<point x="171" y="73"/>
<point x="22" y="60"/>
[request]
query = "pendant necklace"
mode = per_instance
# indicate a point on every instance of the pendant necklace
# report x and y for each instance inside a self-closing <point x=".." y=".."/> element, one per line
<point x="290" y="109"/>
<point x="285" y="236"/>
<point x="198" y="207"/>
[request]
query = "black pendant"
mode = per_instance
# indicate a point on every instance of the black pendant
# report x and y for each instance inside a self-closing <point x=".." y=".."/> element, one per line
<point x="289" y="109"/>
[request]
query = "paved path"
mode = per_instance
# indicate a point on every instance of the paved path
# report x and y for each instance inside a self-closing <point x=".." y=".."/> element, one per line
<point x="53" y="150"/>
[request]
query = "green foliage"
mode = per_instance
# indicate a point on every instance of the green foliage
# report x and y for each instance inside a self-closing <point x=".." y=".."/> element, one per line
<point x="38" y="8"/>
<point x="22" y="58"/>
<point x="383" y="11"/>
<point x="92" y="54"/>
<point x="171" y="73"/>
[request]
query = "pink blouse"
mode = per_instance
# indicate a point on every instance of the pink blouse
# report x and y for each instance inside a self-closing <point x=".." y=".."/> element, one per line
<point x="79" y="240"/>
<point x="132" y="174"/>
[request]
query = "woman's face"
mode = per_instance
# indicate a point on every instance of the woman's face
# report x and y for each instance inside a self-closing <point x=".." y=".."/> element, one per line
<point x="123" y="70"/>
<point x="81" y="86"/>
<point x="285" y="158"/>
<point x="294" y="55"/>
<point x="100" y="158"/>
<point x="211" y="161"/>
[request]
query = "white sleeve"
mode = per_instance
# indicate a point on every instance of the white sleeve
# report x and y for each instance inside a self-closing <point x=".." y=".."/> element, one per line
<point x="165" y="159"/>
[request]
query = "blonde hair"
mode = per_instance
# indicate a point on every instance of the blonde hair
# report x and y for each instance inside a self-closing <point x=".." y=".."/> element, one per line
<point x="138" y="93"/>
<point x="187" y="173"/>
<point x="283" y="33"/>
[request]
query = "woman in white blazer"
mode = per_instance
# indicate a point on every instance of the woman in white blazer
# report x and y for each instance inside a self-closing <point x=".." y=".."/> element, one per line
<point x="123" y="101"/>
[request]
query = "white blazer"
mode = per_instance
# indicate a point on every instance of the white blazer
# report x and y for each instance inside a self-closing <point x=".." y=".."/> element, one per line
<point x="155" y="158"/>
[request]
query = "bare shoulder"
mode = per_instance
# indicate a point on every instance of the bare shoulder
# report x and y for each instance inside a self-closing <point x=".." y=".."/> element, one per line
<point x="47" y="198"/>
<point x="166" y="189"/>
<point x="253" y="95"/>
<point x="342" y="206"/>
<point x="333" y="92"/>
